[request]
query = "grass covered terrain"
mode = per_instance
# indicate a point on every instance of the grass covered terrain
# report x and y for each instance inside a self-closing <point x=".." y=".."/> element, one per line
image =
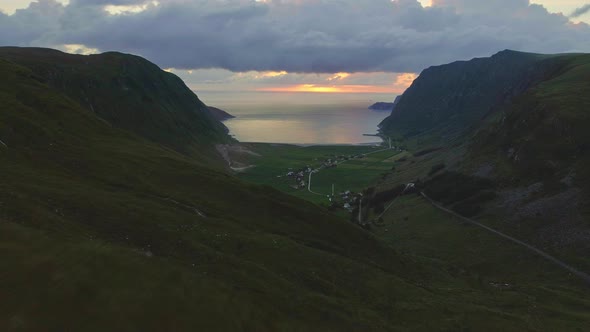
<point x="104" y="230"/>
<point x="513" y="133"/>
<point x="354" y="174"/>
<point x="130" y="93"/>
<point x="514" y="161"/>
<point x="480" y="274"/>
<point x="479" y="268"/>
<point x="539" y="147"/>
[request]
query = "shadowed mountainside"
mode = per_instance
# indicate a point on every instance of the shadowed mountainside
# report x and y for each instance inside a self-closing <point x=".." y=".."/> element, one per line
<point x="449" y="99"/>
<point x="128" y="92"/>
<point x="512" y="131"/>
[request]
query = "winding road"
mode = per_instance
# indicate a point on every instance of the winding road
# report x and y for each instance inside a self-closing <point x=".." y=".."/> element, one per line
<point x="309" y="183"/>
<point x="582" y="275"/>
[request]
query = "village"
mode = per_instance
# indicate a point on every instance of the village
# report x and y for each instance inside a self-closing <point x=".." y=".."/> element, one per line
<point x="300" y="177"/>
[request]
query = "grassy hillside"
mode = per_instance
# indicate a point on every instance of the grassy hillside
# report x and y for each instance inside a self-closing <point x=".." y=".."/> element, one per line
<point x="114" y="231"/>
<point x="523" y="166"/>
<point x="473" y="264"/>
<point x="128" y="92"/>
<point x="539" y="146"/>
<point x="544" y="132"/>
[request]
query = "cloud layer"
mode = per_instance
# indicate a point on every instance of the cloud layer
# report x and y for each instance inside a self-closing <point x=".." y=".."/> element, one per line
<point x="307" y="36"/>
<point x="212" y="80"/>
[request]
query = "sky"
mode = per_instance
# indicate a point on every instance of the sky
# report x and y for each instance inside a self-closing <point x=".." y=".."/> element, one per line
<point x="313" y="46"/>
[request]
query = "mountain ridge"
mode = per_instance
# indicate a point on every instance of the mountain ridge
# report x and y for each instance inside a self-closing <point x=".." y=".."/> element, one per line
<point x="130" y="93"/>
<point x="464" y="91"/>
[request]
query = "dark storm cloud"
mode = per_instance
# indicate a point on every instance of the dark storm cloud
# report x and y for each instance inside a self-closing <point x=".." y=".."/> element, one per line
<point x="580" y="11"/>
<point x="301" y="35"/>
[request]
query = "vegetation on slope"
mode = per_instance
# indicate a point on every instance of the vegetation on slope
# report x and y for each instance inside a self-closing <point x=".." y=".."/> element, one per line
<point x="539" y="145"/>
<point x="128" y="92"/>
<point x="520" y="164"/>
<point x="544" y="132"/>
<point x="447" y="100"/>
<point x="116" y="232"/>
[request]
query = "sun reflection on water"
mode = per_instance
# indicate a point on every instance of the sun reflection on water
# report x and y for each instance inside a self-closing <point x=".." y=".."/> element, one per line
<point x="326" y="127"/>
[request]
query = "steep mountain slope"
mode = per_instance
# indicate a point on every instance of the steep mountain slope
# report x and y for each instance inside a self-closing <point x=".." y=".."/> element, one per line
<point x="446" y="100"/>
<point x="507" y="143"/>
<point x="128" y="92"/>
<point x="541" y="142"/>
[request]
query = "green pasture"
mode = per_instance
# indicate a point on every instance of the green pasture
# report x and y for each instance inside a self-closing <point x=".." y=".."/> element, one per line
<point x="276" y="160"/>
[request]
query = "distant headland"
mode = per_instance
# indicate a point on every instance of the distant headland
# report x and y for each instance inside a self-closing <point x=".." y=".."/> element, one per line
<point x="384" y="106"/>
<point x="220" y="115"/>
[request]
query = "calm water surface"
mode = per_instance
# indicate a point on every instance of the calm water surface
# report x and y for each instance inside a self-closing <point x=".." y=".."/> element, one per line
<point x="302" y="119"/>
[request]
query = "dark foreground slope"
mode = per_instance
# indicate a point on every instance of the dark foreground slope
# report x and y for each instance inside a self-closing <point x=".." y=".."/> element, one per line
<point x="128" y="92"/>
<point x="103" y="230"/>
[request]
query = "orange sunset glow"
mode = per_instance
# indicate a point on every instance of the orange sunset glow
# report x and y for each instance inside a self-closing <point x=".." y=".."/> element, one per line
<point x="337" y="83"/>
<point x="401" y="83"/>
<point x="332" y="89"/>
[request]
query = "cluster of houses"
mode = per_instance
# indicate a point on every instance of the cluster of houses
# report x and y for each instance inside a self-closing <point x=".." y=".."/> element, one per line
<point x="349" y="199"/>
<point x="334" y="161"/>
<point x="330" y="163"/>
<point x="299" y="176"/>
<point x="342" y="158"/>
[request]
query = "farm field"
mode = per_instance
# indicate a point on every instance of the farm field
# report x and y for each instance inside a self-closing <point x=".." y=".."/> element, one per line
<point x="274" y="161"/>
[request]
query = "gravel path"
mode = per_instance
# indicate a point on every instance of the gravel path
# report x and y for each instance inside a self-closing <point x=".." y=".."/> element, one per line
<point x="582" y="275"/>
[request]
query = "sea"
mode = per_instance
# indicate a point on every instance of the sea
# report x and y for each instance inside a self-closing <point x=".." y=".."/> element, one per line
<point x="300" y="118"/>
